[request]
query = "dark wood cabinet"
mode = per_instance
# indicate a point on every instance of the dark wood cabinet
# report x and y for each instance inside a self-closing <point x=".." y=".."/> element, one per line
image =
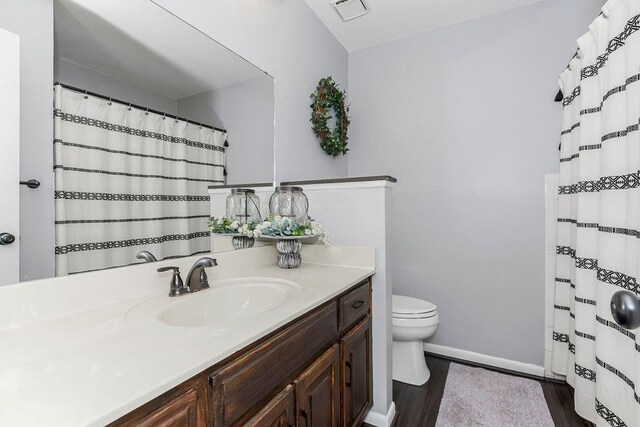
<point x="318" y="392"/>
<point x="179" y="412"/>
<point x="280" y="412"/>
<point x="314" y="371"/>
<point x="248" y="382"/>
<point x="356" y="378"/>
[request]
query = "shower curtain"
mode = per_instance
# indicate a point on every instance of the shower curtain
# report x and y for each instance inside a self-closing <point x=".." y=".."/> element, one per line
<point x="128" y="180"/>
<point x="598" y="229"/>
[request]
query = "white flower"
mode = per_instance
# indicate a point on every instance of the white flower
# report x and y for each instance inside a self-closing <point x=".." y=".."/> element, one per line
<point x="234" y="225"/>
<point x="307" y="232"/>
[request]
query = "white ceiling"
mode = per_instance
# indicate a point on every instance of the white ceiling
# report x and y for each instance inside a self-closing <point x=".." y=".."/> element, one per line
<point x="394" y="19"/>
<point x="146" y="46"/>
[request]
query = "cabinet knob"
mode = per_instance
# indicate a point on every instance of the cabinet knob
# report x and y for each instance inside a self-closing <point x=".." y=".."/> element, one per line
<point x="7" y="238"/>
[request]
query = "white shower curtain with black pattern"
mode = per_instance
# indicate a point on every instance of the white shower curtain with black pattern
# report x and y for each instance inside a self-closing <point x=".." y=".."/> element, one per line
<point x="598" y="227"/>
<point x="128" y="180"/>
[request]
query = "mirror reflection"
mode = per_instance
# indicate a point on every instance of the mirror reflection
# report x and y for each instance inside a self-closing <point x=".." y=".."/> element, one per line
<point x="148" y="113"/>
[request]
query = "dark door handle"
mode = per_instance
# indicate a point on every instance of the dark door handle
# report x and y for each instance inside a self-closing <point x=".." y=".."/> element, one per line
<point x="348" y="381"/>
<point x="625" y="309"/>
<point x="32" y="183"/>
<point x="7" y="238"/>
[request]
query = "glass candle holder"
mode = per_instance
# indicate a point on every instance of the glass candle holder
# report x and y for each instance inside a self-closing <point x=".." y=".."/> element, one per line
<point x="290" y="202"/>
<point x="243" y="205"/>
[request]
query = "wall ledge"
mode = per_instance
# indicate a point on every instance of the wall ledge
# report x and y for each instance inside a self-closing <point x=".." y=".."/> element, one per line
<point x="342" y="180"/>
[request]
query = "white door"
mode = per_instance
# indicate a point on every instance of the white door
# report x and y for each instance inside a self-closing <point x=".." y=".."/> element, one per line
<point x="9" y="157"/>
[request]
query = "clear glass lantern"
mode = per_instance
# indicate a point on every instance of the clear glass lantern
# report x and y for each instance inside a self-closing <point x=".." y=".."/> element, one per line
<point x="243" y="205"/>
<point x="290" y="202"/>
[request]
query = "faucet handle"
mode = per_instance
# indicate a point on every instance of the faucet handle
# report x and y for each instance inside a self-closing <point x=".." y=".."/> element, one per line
<point x="177" y="285"/>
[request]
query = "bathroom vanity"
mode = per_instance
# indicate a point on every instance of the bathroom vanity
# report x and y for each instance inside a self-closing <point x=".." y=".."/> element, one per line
<point x="262" y="346"/>
<point x="316" y="370"/>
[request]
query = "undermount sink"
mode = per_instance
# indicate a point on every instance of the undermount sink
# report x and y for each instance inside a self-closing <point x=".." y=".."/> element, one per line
<point x="225" y="303"/>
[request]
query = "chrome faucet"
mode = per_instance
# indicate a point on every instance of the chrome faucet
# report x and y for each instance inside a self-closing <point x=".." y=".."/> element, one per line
<point x="147" y="256"/>
<point x="197" y="277"/>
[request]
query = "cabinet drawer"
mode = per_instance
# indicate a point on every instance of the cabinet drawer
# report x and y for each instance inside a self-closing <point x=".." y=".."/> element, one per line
<point x="354" y="306"/>
<point x="253" y="378"/>
<point x="180" y="412"/>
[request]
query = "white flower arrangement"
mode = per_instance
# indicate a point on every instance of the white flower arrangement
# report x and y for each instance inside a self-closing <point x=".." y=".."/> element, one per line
<point x="276" y="226"/>
<point x="285" y="227"/>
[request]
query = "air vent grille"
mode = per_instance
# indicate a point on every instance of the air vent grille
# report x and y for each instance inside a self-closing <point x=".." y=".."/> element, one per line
<point x="351" y="9"/>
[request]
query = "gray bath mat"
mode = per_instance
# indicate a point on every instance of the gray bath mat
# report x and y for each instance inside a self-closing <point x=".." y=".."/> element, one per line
<point x="478" y="397"/>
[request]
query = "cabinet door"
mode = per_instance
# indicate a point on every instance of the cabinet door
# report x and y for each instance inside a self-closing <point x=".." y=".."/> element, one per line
<point x="179" y="412"/>
<point x="318" y="392"/>
<point x="280" y="412"/>
<point x="355" y="378"/>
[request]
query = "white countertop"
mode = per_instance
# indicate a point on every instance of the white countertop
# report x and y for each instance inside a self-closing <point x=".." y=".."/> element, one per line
<point x="91" y="363"/>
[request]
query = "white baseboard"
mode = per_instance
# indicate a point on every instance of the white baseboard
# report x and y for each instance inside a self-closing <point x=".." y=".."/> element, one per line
<point x="484" y="359"/>
<point x="381" y="420"/>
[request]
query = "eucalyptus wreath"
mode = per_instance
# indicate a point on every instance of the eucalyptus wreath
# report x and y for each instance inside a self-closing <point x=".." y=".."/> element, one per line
<point x="327" y="97"/>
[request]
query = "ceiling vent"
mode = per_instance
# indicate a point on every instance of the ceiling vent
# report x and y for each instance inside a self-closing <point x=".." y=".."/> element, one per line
<point x="350" y="9"/>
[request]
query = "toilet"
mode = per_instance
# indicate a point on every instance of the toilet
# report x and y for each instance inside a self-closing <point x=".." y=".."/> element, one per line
<point x="413" y="320"/>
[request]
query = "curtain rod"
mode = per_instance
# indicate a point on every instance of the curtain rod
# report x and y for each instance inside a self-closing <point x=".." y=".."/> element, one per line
<point x="140" y="107"/>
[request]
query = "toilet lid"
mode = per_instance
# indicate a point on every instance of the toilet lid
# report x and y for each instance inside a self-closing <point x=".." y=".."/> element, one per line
<point x="408" y="305"/>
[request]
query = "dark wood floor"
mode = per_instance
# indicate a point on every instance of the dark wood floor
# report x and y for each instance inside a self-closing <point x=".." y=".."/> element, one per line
<point x="418" y="406"/>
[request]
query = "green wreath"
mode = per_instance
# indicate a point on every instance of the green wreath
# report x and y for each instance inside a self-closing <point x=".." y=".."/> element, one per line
<point x="326" y="97"/>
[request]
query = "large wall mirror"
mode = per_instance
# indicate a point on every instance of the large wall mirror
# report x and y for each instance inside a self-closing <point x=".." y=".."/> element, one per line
<point x="148" y="112"/>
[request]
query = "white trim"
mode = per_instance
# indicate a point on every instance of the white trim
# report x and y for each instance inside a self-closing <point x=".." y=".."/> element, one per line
<point x="382" y="183"/>
<point x="227" y="190"/>
<point x="381" y="420"/>
<point x="484" y="359"/>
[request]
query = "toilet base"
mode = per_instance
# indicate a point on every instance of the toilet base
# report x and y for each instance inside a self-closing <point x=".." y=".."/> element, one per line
<point x="409" y="365"/>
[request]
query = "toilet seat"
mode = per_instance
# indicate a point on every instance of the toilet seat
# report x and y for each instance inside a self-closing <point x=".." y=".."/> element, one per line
<point x="404" y="307"/>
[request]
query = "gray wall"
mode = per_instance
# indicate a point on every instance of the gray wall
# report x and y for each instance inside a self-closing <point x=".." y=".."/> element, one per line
<point x="32" y="20"/>
<point x="246" y="110"/>
<point x="76" y="75"/>
<point x="464" y="117"/>
<point x="287" y="40"/>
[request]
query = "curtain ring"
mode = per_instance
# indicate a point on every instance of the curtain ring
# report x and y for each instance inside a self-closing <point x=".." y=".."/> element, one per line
<point x="86" y="96"/>
<point x="605" y="13"/>
<point x="110" y="103"/>
<point x="146" y="113"/>
<point x="129" y="107"/>
<point x="164" y="116"/>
